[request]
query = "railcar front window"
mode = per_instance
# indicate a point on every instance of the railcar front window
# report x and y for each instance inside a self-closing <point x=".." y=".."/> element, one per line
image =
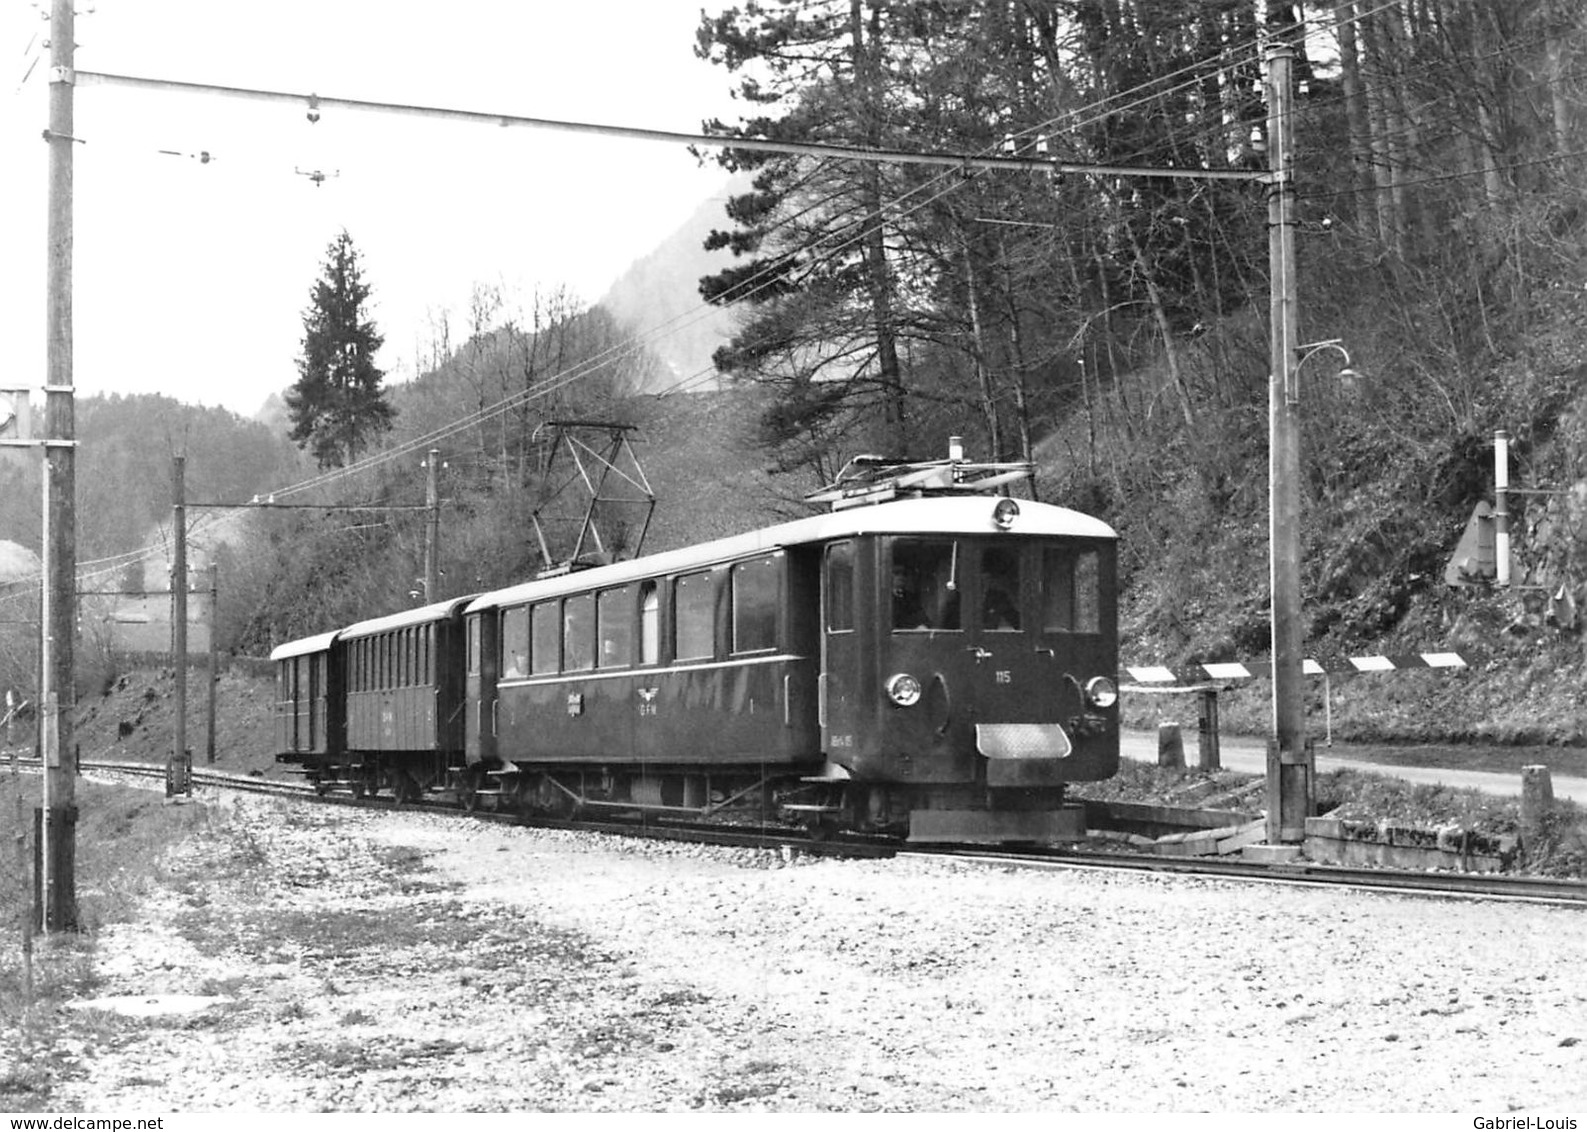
<point x="755" y="605"/>
<point x="1000" y="589"/>
<point x="1071" y="591"/>
<point x="925" y="586"/>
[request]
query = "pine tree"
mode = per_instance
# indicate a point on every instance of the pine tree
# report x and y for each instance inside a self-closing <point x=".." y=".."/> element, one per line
<point x="337" y="403"/>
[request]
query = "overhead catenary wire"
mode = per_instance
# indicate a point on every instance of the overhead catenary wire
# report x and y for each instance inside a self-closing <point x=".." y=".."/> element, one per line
<point x="962" y="164"/>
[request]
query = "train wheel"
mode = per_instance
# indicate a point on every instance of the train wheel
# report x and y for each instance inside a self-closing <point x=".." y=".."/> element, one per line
<point x="402" y="788"/>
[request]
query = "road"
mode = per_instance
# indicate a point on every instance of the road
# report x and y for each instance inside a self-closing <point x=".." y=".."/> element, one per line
<point x="1249" y="756"/>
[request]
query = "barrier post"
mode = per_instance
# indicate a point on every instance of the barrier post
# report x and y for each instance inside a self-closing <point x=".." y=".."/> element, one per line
<point x="1210" y="757"/>
<point x="1537" y="802"/>
<point x="1170" y="746"/>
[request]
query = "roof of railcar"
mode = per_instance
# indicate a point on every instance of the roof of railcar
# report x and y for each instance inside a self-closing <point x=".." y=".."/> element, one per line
<point x="934" y="515"/>
<point x="320" y="642"/>
<point x="424" y="615"/>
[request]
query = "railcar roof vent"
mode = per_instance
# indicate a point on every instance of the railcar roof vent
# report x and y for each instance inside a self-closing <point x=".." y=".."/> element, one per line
<point x="877" y="479"/>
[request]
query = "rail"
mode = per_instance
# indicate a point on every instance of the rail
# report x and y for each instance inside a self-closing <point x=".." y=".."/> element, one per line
<point x="1443" y="885"/>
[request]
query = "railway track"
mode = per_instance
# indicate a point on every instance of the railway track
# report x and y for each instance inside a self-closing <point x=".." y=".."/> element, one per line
<point x="1480" y="886"/>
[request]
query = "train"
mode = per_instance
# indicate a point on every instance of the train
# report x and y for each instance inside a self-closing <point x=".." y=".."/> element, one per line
<point x="930" y="658"/>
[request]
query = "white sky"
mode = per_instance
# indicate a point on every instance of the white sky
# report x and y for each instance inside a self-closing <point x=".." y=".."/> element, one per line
<point x="191" y="279"/>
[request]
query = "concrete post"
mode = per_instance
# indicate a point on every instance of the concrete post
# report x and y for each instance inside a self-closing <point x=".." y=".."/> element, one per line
<point x="1170" y="747"/>
<point x="1537" y="802"/>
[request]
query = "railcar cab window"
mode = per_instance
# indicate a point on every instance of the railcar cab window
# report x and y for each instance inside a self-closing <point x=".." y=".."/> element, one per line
<point x="614" y="612"/>
<point x="925" y="588"/>
<point x="578" y="633"/>
<point x="515" y="643"/>
<point x="693" y="609"/>
<point x="1000" y="589"/>
<point x="545" y="638"/>
<point x="1071" y="590"/>
<point x="755" y="604"/>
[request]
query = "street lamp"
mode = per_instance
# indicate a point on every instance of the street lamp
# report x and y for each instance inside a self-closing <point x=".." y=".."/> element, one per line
<point x="1303" y="354"/>
<point x="1290" y="765"/>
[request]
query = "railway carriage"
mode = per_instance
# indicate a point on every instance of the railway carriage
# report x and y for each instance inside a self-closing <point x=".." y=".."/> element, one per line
<point x="927" y="659"/>
<point x="393" y="703"/>
<point x="940" y="665"/>
<point x="308" y="707"/>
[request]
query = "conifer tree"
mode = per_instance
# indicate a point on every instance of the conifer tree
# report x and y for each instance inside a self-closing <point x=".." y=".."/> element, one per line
<point x="338" y="404"/>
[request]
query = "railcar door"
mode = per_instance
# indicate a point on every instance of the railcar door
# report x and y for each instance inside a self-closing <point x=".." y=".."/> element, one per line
<point x="479" y="685"/>
<point x="838" y="692"/>
<point x="1011" y="679"/>
<point x="927" y="724"/>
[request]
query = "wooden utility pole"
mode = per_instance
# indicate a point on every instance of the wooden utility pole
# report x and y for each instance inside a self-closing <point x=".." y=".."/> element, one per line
<point x="1289" y="755"/>
<point x="432" y="527"/>
<point x="178" y="771"/>
<point x="214" y="659"/>
<point x="58" y="624"/>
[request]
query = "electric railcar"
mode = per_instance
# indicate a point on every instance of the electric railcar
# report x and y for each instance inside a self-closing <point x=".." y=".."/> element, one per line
<point x="940" y="666"/>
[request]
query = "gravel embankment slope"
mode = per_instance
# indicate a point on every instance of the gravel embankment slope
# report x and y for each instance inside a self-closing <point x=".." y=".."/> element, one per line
<point x="364" y="961"/>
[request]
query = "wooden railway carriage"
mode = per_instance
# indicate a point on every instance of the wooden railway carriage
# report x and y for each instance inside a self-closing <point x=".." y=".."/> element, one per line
<point x="404" y="702"/>
<point x="378" y="705"/>
<point x="940" y="664"/>
<point x="308" y="716"/>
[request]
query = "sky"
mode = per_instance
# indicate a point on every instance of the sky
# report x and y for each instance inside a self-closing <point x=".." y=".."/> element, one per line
<point x="191" y="278"/>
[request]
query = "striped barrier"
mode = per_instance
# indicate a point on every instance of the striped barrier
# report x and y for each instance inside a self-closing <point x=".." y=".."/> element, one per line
<point x="1235" y="670"/>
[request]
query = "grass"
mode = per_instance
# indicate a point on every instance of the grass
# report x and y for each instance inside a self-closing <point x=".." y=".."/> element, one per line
<point x="1560" y="850"/>
<point x="1494" y="760"/>
<point x="119" y="848"/>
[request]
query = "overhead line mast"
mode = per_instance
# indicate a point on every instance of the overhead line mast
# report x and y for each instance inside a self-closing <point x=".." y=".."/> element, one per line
<point x="58" y="622"/>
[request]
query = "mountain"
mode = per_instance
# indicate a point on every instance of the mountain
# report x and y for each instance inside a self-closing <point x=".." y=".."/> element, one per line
<point x="659" y="297"/>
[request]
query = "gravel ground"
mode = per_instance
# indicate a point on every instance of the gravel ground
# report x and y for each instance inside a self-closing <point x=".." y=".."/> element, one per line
<point x="324" y="959"/>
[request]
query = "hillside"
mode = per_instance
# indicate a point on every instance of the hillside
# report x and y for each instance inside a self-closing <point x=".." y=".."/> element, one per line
<point x="658" y="297"/>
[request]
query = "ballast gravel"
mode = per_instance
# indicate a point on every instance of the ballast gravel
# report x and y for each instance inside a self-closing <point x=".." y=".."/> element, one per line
<point x="338" y="960"/>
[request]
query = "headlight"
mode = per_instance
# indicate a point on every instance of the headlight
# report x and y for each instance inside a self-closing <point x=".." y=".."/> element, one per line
<point x="903" y="689"/>
<point x="1004" y="514"/>
<point x="1101" y="692"/>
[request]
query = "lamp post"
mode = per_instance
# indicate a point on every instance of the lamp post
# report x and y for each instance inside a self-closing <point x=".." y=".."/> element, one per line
<point x="1291" y="768"/>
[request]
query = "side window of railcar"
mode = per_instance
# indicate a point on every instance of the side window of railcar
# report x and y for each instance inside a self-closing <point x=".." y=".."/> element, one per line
<point x="1071" y="591"/>
<point x="515" y="642"/>
<point x="545" y="643"/>
<point x="578" y="633"/>
<point x="926" y="581"/>
<point x="755" y="604"/>
<point x="693" y="617"/>
<point x="649" y="623"/>
<point x="1000" y="588"/>
<point x="614" y="618"/>
<point x="839" y="594"/>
